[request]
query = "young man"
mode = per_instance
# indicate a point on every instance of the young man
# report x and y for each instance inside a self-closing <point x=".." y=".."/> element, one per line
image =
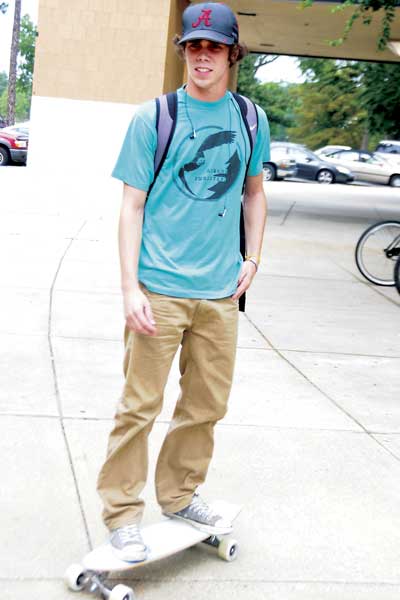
<point x="182" y="275"/>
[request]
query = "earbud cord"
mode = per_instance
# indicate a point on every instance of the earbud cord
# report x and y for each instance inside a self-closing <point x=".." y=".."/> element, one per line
<point x="222" y="212"/>
<point x="193" y="135"/>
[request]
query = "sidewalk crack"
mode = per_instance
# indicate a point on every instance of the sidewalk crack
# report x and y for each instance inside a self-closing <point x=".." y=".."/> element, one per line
<point x="321" y="391"/>
<point x="56" y="386"/>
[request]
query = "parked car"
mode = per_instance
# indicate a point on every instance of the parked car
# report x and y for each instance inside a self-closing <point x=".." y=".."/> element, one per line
<point x="14" y="142"/>
<point x="311" y="166"/>
<point x="327" y="149"/>
<point x="279" y="166"/>
<point x="20" y="127"/>
<point x="388" y="147"/>
<point x="367" y="166"/>
<point x="389" y="150"/>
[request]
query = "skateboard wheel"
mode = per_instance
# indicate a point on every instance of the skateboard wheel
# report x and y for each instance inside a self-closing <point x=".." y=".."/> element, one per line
<point x="121" y="592"/>
<point x="75" y="577"/>
<point x="227" y="550"/>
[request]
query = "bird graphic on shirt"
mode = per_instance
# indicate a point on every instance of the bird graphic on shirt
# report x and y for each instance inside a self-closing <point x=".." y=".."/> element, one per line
<point x="226" y="178"/>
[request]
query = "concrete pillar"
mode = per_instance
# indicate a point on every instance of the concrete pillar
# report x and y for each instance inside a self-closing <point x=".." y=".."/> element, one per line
<point x="233" y="77"/>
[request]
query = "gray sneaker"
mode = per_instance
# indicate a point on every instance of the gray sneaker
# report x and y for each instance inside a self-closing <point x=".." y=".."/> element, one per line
<point x="201" y="516"/>
<point x="128" y="544"/>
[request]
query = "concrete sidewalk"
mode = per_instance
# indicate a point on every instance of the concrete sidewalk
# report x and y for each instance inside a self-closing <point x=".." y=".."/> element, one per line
<point x="310" y="445"/>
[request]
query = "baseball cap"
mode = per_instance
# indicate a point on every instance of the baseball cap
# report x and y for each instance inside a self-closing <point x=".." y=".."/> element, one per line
<point x="210" y="21"/>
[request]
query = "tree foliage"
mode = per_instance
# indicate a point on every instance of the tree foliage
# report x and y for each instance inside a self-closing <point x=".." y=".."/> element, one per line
<point x="24" y="73"/>
<point x="22" y="105"/>
<point x="347" y="102"/>
<point x="329" y="109"/>
<point x="380" y="94"/>
<point x="247" y="78"/>
<point x="12" y="74"/>
<point x="364" y="10"/>
<point x="277" y="100"/>
<point x="341" y="102"/>
<point x="27" y="41"/>
<point x="3" y="82"/>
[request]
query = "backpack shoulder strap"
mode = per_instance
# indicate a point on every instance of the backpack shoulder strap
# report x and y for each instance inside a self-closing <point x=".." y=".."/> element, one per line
<point x="250" y="117"/>
<point x="249" y="114"/>
<point x="166" y="113"/>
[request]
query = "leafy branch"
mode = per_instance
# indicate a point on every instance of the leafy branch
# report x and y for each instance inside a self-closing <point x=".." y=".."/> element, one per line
<point x="364" y="10"/>
<point x="261" y="60"/>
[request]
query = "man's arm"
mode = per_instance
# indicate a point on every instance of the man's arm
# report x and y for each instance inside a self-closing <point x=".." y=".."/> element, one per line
<point x="137" y="309"/>
<point x="255" y="214"/>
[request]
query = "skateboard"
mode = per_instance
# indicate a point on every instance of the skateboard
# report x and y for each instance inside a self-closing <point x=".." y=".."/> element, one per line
<point x="163" y="539"/>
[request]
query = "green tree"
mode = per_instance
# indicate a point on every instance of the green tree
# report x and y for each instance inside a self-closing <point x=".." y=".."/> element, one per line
<point x="247" y="76"/>
<point x="27" y="41"/>
<point x="22" y="105"/>
<point x="12" y="75"/>
<point x="347" y="102"/>
<point x="278" y="100"/>
<point x="380" y="94"/>
<point x="3" y="82"/>
<point x="329" y="109"/>
<point x="23" y="85"/>
<point x="247" y="80"/>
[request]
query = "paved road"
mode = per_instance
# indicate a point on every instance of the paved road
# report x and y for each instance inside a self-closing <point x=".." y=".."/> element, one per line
<point x="311" y="442"/>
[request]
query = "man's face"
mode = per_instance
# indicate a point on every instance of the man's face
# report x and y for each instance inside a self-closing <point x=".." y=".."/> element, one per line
<point x="207" y="62"/>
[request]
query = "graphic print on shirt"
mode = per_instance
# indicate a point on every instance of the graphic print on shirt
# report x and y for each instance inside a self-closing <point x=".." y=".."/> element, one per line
<point x="213" y="167"/>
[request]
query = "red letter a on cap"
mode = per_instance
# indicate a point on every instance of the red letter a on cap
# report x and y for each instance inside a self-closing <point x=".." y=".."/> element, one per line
<point x="205" y="16"/>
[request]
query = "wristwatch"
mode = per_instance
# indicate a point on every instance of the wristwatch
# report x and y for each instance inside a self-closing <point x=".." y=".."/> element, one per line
<point x="254" y="259"/>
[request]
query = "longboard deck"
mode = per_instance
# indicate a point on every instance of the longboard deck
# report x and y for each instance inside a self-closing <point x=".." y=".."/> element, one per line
<point x="162" y="539"/>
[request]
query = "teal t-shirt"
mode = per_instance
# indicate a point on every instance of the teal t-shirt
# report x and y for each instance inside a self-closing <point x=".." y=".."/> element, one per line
<point x="188" y="249"/>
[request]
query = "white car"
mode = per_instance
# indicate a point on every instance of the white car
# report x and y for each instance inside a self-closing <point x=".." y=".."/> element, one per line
<point x="18" y="128"/>
<point x="329" y="149"/>
<point x="367" y="167"/>
<point x="389" y="150"/>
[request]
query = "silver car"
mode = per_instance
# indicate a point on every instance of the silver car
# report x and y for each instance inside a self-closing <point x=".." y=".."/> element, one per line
<point x="325" y="150"/>
<point x="389" y="150"/>
<point x="279" y="166"/>
<point x="367" y="166"/>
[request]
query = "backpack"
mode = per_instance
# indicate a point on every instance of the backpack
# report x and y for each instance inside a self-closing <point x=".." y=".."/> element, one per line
<point x="166" y="117"/>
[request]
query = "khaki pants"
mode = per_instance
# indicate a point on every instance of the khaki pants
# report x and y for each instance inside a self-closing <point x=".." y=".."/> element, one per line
<point x="207" y="331"/>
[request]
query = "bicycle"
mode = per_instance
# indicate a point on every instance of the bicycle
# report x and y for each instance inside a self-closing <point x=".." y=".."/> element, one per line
<point x="377" y="251"/>
<point x="397" y="275"/>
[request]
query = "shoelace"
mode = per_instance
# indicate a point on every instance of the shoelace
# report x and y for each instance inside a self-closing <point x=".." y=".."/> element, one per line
<point x="130" y="533"/>
<point x="201" y="508"/>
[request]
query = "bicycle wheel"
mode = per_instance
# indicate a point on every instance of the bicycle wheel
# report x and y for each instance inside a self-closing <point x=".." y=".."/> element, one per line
<point x="397" y="275"/>
<point x="377" y="251"/>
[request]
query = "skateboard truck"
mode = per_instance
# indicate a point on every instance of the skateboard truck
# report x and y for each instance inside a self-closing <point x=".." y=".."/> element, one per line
<point x="77" y="580"/>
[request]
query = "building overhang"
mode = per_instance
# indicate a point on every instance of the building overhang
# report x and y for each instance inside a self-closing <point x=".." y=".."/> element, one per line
<point x="283" y="27"/>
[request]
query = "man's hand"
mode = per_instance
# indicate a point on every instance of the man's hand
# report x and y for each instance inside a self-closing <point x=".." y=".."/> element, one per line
<point x="138" y="314"/>
<point x="246" y="275"/>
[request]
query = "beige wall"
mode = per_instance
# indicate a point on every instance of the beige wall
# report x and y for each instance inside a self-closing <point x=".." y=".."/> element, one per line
<point x="113" y="51"/>
<point x="174" y="66"/>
